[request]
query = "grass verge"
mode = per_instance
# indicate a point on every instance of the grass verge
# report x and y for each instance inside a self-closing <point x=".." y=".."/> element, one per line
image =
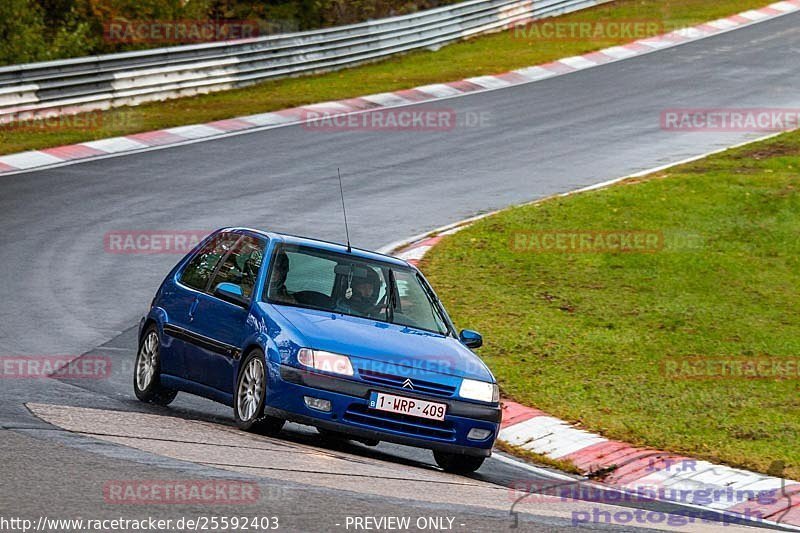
<point x="610" y="340"/>
<point x="489" y="54"/>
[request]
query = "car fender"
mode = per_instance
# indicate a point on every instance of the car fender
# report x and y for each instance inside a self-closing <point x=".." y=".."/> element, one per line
<point x="157" y="315"/>
<point x="261" y="340"/>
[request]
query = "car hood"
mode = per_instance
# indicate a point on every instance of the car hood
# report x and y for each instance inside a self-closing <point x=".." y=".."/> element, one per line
<point x="379" y="346"/>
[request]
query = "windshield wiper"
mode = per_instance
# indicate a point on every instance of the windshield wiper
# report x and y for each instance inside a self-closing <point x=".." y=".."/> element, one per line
<point x="391" y="303"/>
<point x="434" y="302"/>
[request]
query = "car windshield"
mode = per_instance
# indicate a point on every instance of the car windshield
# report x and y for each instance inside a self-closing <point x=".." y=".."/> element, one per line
<point x="308" y="277"/>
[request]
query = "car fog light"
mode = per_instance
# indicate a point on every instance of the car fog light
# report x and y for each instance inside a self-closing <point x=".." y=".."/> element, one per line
<point x="478" y="434"/>
<point x="317" y="403"/>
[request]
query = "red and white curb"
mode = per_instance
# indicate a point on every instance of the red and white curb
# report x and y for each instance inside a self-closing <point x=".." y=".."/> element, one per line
<point x="65" y="155"/>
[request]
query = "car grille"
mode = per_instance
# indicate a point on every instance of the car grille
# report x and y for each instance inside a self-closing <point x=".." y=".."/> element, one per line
<point x="407" y="425"/>
<point x="389" y="380"/>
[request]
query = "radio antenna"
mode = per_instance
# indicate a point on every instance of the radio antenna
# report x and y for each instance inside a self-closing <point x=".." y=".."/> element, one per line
<point x="344" y="211"/>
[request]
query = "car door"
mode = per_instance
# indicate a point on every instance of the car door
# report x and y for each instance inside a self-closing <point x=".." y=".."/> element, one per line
<point x="222" y="322"/>
<point x="180" y="298"/>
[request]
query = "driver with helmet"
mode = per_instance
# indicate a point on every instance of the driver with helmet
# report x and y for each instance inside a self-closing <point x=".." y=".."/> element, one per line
<point x="277" y="282"/>
<point x="361" y="296"/>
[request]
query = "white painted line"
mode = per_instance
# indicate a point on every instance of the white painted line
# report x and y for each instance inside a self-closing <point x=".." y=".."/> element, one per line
<point x="767" y="483"/>
<point x="30" y="159"/>
<point x="489" y="82"/>
<point x="691" y="33"/>
<point x="578" y="62"/>
<point x="745" y="478"/>
<point x="786" y="7"/>
<point x="116" y="145"/>
<point x="557" y="448"/>
<point x="619" y="52"/>
<point x="563" y="435"/>
<point x="439" y="90"/>
<point x="327" y="106"/>
<point x="198" y="131"/>
<point x="529" y="430"/>
<point x="723" y="24"/>
<point x="386" y="99"/>
<point x="754" y="15"/>
<point x="267" y="119"/>
<point x="657" y="43"/>
<point x="722" y="476"/>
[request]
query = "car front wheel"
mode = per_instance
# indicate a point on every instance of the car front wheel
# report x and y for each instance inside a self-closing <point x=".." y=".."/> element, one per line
<point x="457" y="464"/>
<point x="251" y="392"/>
<point x="147" y="371"/>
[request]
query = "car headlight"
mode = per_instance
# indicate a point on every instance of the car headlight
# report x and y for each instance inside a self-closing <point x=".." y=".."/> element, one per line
<point x="325" y="361"/>
<point x="479" y="390"/>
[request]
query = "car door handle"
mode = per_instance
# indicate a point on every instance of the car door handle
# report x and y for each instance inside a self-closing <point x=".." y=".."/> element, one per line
<point x="193" y="309"/>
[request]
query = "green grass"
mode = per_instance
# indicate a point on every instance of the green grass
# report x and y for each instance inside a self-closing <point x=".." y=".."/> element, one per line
<point x="490" y="54"/>
<point x="583" y="336"/>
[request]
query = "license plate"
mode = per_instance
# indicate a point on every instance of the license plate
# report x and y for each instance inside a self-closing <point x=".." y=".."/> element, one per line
<point x="407" y="406"/>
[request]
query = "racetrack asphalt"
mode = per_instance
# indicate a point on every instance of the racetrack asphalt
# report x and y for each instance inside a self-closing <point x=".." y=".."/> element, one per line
<point x="63" y="293"/>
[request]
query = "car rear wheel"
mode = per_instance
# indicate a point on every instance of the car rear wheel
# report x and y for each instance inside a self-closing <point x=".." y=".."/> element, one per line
<point x="457" y="464"/>
<point x="147" y="371"/>
<point x="251" y="392"/>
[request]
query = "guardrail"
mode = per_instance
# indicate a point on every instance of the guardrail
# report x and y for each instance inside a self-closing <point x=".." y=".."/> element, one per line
<point x="101" y="82"/>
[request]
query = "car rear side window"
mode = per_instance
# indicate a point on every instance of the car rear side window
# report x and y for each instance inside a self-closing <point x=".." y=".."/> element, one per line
<point x="200" y="269"/>
<point x="242" y="264"/>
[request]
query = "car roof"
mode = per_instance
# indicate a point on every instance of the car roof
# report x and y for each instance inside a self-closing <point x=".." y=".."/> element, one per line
<point x="322" y="245"/>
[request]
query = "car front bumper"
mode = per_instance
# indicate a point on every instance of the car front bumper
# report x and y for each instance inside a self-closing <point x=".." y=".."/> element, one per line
<point x="350" y="414"/>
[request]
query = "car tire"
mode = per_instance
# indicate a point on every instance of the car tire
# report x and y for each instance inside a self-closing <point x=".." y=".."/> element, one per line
<point x="457" y="464"/>
<point x="250" y="396"/>
<point x="147" y="371"/>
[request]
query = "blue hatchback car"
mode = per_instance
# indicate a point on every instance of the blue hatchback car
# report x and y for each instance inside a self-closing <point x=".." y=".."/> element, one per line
<point x="352" y="342"/>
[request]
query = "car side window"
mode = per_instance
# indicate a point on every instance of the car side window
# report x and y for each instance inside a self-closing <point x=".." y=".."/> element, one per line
<point x="242" y="264"/>
<point x="310" y="273"/>
<point x="200" y="269"/>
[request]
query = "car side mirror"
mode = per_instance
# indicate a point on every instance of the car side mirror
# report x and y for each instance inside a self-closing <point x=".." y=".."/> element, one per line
<point x="231" y="293"/>
<point x="471" y="339"/>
